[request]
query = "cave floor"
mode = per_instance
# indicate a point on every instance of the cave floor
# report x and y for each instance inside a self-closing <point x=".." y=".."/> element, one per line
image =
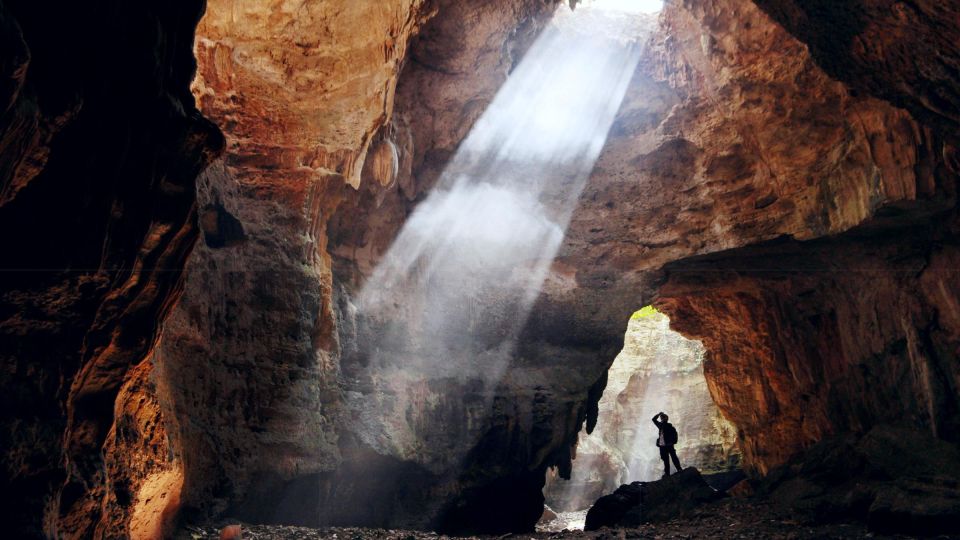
<point x="733" y="518"/>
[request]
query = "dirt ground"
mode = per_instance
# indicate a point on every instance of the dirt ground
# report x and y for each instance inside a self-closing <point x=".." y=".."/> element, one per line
<point x="732" y="518"/>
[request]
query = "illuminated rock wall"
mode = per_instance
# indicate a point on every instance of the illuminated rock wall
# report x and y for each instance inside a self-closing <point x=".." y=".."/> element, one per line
<point x="736" y="132"/>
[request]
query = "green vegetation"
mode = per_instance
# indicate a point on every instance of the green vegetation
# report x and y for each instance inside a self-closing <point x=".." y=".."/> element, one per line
<point x="644" y="312"/>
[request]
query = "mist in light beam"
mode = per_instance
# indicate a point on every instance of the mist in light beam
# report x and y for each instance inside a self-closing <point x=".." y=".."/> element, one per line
<point x="450" y="297"/>
<point x="457" y="284"/>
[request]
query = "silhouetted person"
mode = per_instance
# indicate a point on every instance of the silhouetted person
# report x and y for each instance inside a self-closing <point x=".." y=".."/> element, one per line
<point x="665" y="441"/>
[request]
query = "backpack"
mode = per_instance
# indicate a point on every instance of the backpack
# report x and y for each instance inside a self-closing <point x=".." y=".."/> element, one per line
<point x="669" y="435"/>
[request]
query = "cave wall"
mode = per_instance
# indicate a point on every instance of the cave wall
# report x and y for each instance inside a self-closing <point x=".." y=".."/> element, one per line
<point x="745" y="140"/>
<point x="731" y="134"/>
<point x="903" y="52"/>
<point x="100" y="144"/>
<point x="248" y="358"/>
<point x="270" y="413"/>
<point x="338" y="119"/>
<point x="812" y="339"/>
<point x="261" y="424"/>
<point x="482" y="446"/>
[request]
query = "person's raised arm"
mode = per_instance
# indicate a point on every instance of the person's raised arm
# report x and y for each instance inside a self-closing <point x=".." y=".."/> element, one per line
<point x="655" y="421"/>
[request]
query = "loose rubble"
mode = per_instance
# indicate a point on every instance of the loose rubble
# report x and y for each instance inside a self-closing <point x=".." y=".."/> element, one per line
<point x="731" y="518"/>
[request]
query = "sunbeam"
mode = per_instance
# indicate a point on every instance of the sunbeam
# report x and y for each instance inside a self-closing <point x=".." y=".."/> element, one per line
<point x="451" y="295"/>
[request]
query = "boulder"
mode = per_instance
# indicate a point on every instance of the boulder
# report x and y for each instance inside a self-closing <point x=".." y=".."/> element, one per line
<point x="724" y="481"/>
<point x="610" y="509"/>
<point x="652" y="502"/>
<point x="548" y="515"/>
<point x="231" y="532"/>
<point x="927" y="507"/>
<point x="896" y="478"/>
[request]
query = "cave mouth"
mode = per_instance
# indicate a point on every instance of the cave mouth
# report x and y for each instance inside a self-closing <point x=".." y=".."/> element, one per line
<point x="657" y="370"/>
<point x="627" y="6"/>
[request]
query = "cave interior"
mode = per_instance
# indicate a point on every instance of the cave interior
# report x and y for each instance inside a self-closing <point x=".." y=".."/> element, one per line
<point x="337" y="263"/>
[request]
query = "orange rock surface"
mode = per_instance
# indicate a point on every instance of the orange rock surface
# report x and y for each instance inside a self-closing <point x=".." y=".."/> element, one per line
<point x="731" y="136"/>
<point x="760" y="184"/>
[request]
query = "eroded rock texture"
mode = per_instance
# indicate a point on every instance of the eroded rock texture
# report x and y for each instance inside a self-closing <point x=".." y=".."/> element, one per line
<point x="857" y="329"/>
<point x="482" y="440"/>
<point x="897" y="479"/>
<point x="904" y="52"/>
<point x="340" y="116"/>
<point x="731" y="135"/>
<point x="100" y="145"/>
<point x="261" y="407"/>
<point x="250" y="356"/>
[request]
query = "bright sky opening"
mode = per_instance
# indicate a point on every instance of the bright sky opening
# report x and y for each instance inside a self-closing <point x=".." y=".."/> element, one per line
<point x="629" y="6"/>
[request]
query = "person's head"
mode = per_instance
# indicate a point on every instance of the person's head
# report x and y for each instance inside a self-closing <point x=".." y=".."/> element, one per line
<point x="664" y="416"/>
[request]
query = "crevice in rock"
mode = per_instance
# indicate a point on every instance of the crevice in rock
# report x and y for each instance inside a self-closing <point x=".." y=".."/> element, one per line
<point x="220" y="228"/>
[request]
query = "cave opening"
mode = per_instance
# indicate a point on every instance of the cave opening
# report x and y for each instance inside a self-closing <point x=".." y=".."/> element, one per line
<point x="657" y="370"/>
<point x="627" y="6"/>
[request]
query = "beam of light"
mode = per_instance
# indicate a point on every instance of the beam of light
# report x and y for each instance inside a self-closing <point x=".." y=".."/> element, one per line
<point x="627" y="6"/>
<point x="449" y="298"/>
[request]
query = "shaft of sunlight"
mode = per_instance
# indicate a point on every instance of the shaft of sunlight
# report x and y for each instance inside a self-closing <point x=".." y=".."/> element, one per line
<point x="628" y="6"/>
<point x="450" y="296"/>
<point x="457" y="284"/>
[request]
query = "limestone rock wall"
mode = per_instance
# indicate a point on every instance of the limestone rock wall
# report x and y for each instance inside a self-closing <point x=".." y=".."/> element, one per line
<point x="733" y="135"/>
<point x="249" y="357"/>
<point x="260" y="407"/>
<point x="905" y="53"/>
<point x="143" y="496"/>
<point x="856" y="330"/>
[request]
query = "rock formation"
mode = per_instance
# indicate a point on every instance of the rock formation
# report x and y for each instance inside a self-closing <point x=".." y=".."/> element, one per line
<point x="895" y="478"/>
<point x="906" y="54"/>
<point x="100" y="144"/>
<point x="886" y="366"/>
<point x="265" y="416"/>
<point x="850" y="367"/>
<point x="249" y="356"/>
<point x="658" y="369"/>
<point x="650" y="502"/>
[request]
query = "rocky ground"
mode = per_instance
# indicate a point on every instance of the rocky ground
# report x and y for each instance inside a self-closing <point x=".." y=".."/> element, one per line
<point x="732" y="518"/>
<point x="564" y="521"/>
